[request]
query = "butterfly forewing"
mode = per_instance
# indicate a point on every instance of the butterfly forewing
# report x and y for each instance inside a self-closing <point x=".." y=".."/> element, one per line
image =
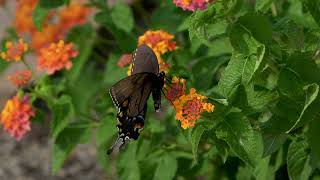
<point x="144" y="60"/>
<point x="132" y="92"/>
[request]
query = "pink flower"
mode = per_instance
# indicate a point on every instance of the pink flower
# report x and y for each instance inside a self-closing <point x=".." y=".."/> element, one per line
<point x="192" y="5"/>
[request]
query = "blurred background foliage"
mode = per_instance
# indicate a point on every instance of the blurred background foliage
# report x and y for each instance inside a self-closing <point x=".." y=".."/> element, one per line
<point x="256" y="60"/>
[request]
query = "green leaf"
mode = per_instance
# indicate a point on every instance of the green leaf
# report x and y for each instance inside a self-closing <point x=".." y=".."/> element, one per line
<point x="314" y="9"/>
<point x="167" y="167"/>
<point x="290" y="85"/>
<point x="263" y="5"/>
<point x="273" y="142"/>
<point x="128" y="167"/>
<point x="122" y="17"/>
<point x="243" y="140"/>
<point x="39" y="15"/>
<point x="52" y="3"/>
<point x="62" y="114"/>
<point x="65" y="143"/>
<point x="259" y="27"/>
<point x="298" y="160"/>
<point x="84" y="45"/>
<point x="125" y="41"/>
<point x="312" y="92"/>
<point x="106" y="130"/>
<point x="195" y="139"/>
<point x="240" y="70"/>
<point x="313" y="135"/>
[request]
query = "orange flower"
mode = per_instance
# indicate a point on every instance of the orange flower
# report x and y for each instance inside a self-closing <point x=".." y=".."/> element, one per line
<point x="20" y="77"/>
<point x="189" y="107"/>
<point x="49" y="34"/>
<point x="16" y="115"/>
<point x="175" y="90"/>
<point x="75" y="14"/>
<point x="14" y="51"/>
<point x="56" y="57"/>
<point x="23" y="22"/>
<point x="160" y="41"/>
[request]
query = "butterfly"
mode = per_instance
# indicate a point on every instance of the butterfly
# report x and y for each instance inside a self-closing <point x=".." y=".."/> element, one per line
<point x="130" y="95"/>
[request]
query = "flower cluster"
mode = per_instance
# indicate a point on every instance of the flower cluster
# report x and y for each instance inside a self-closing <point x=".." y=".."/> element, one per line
<point x="160" y="42"/>
<point x="75" y="14"/>
<point x="188" y="106"/>
<point x="16" y="115"/>
<point x="23" y="22"/>
<point x="56" y="25"/>
<point x="192" y="5"/>
<point x="14" y="51"/>
<point x="56" y="57"/>
<point x="20" y="77"/>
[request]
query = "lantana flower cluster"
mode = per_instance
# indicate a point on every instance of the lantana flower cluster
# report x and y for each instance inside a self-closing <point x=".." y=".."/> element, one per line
<point x="16" y="115"/>
<point x="53" y="55"/>
<point x="188" y="106"/>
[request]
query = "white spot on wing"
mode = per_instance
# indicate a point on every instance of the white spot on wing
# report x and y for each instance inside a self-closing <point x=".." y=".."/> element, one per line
<point x="114" y="100"/>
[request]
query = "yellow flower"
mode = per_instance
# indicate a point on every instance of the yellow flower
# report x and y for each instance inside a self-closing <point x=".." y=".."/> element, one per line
<point x="14" y="51"/>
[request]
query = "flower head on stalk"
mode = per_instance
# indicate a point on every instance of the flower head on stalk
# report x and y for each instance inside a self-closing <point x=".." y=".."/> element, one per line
<point x="20" y="77"/>
<point x="189" y="108"/>
<point x="74" y="14"/>
<point x="56" y="57"/>
<point x="192" y="5"/>
<point x="15" y="117"/>
<point x="14" y="51"/>
<point x="160" y="41"/>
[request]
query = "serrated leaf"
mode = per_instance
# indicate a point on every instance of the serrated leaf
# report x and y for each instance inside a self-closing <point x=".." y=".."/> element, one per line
<point x="62" y="114"/>
<point x="167" y="167"/>
<point x="195" y="139"/>
<point x="65" y="143"/>
<point x="39" y="14"/>
<point x="311" y="92"/>
<point x="243" y="140"/>
<point x="122" y="17"/>
<point x="298" y="160"/>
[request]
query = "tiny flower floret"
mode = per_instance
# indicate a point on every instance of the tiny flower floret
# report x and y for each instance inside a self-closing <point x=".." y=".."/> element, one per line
<point x="14" y="51"/>
<point x="56" y="57"/>
<point x="16" y="115"/>
<point x="20" y="77"/>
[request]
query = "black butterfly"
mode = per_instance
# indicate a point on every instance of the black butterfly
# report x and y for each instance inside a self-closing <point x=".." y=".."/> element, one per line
<point x="130" y="95"/>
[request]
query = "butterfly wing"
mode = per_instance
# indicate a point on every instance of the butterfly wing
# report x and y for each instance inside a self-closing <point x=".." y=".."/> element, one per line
<point x="131" y="93"/>
<point x="144" y="60"/>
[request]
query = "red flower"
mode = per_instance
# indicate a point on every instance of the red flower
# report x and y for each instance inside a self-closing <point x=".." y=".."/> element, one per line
<point x="20" y="77"/>
<point x="16" y="115"/>
<point x="124" y="60"/>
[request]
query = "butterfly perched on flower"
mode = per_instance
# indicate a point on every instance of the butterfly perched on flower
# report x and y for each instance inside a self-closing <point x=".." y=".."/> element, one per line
<point x="130" y="95"/>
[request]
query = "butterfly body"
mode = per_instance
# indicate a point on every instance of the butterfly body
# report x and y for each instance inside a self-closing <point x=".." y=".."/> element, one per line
<point x="130" y="95"/>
